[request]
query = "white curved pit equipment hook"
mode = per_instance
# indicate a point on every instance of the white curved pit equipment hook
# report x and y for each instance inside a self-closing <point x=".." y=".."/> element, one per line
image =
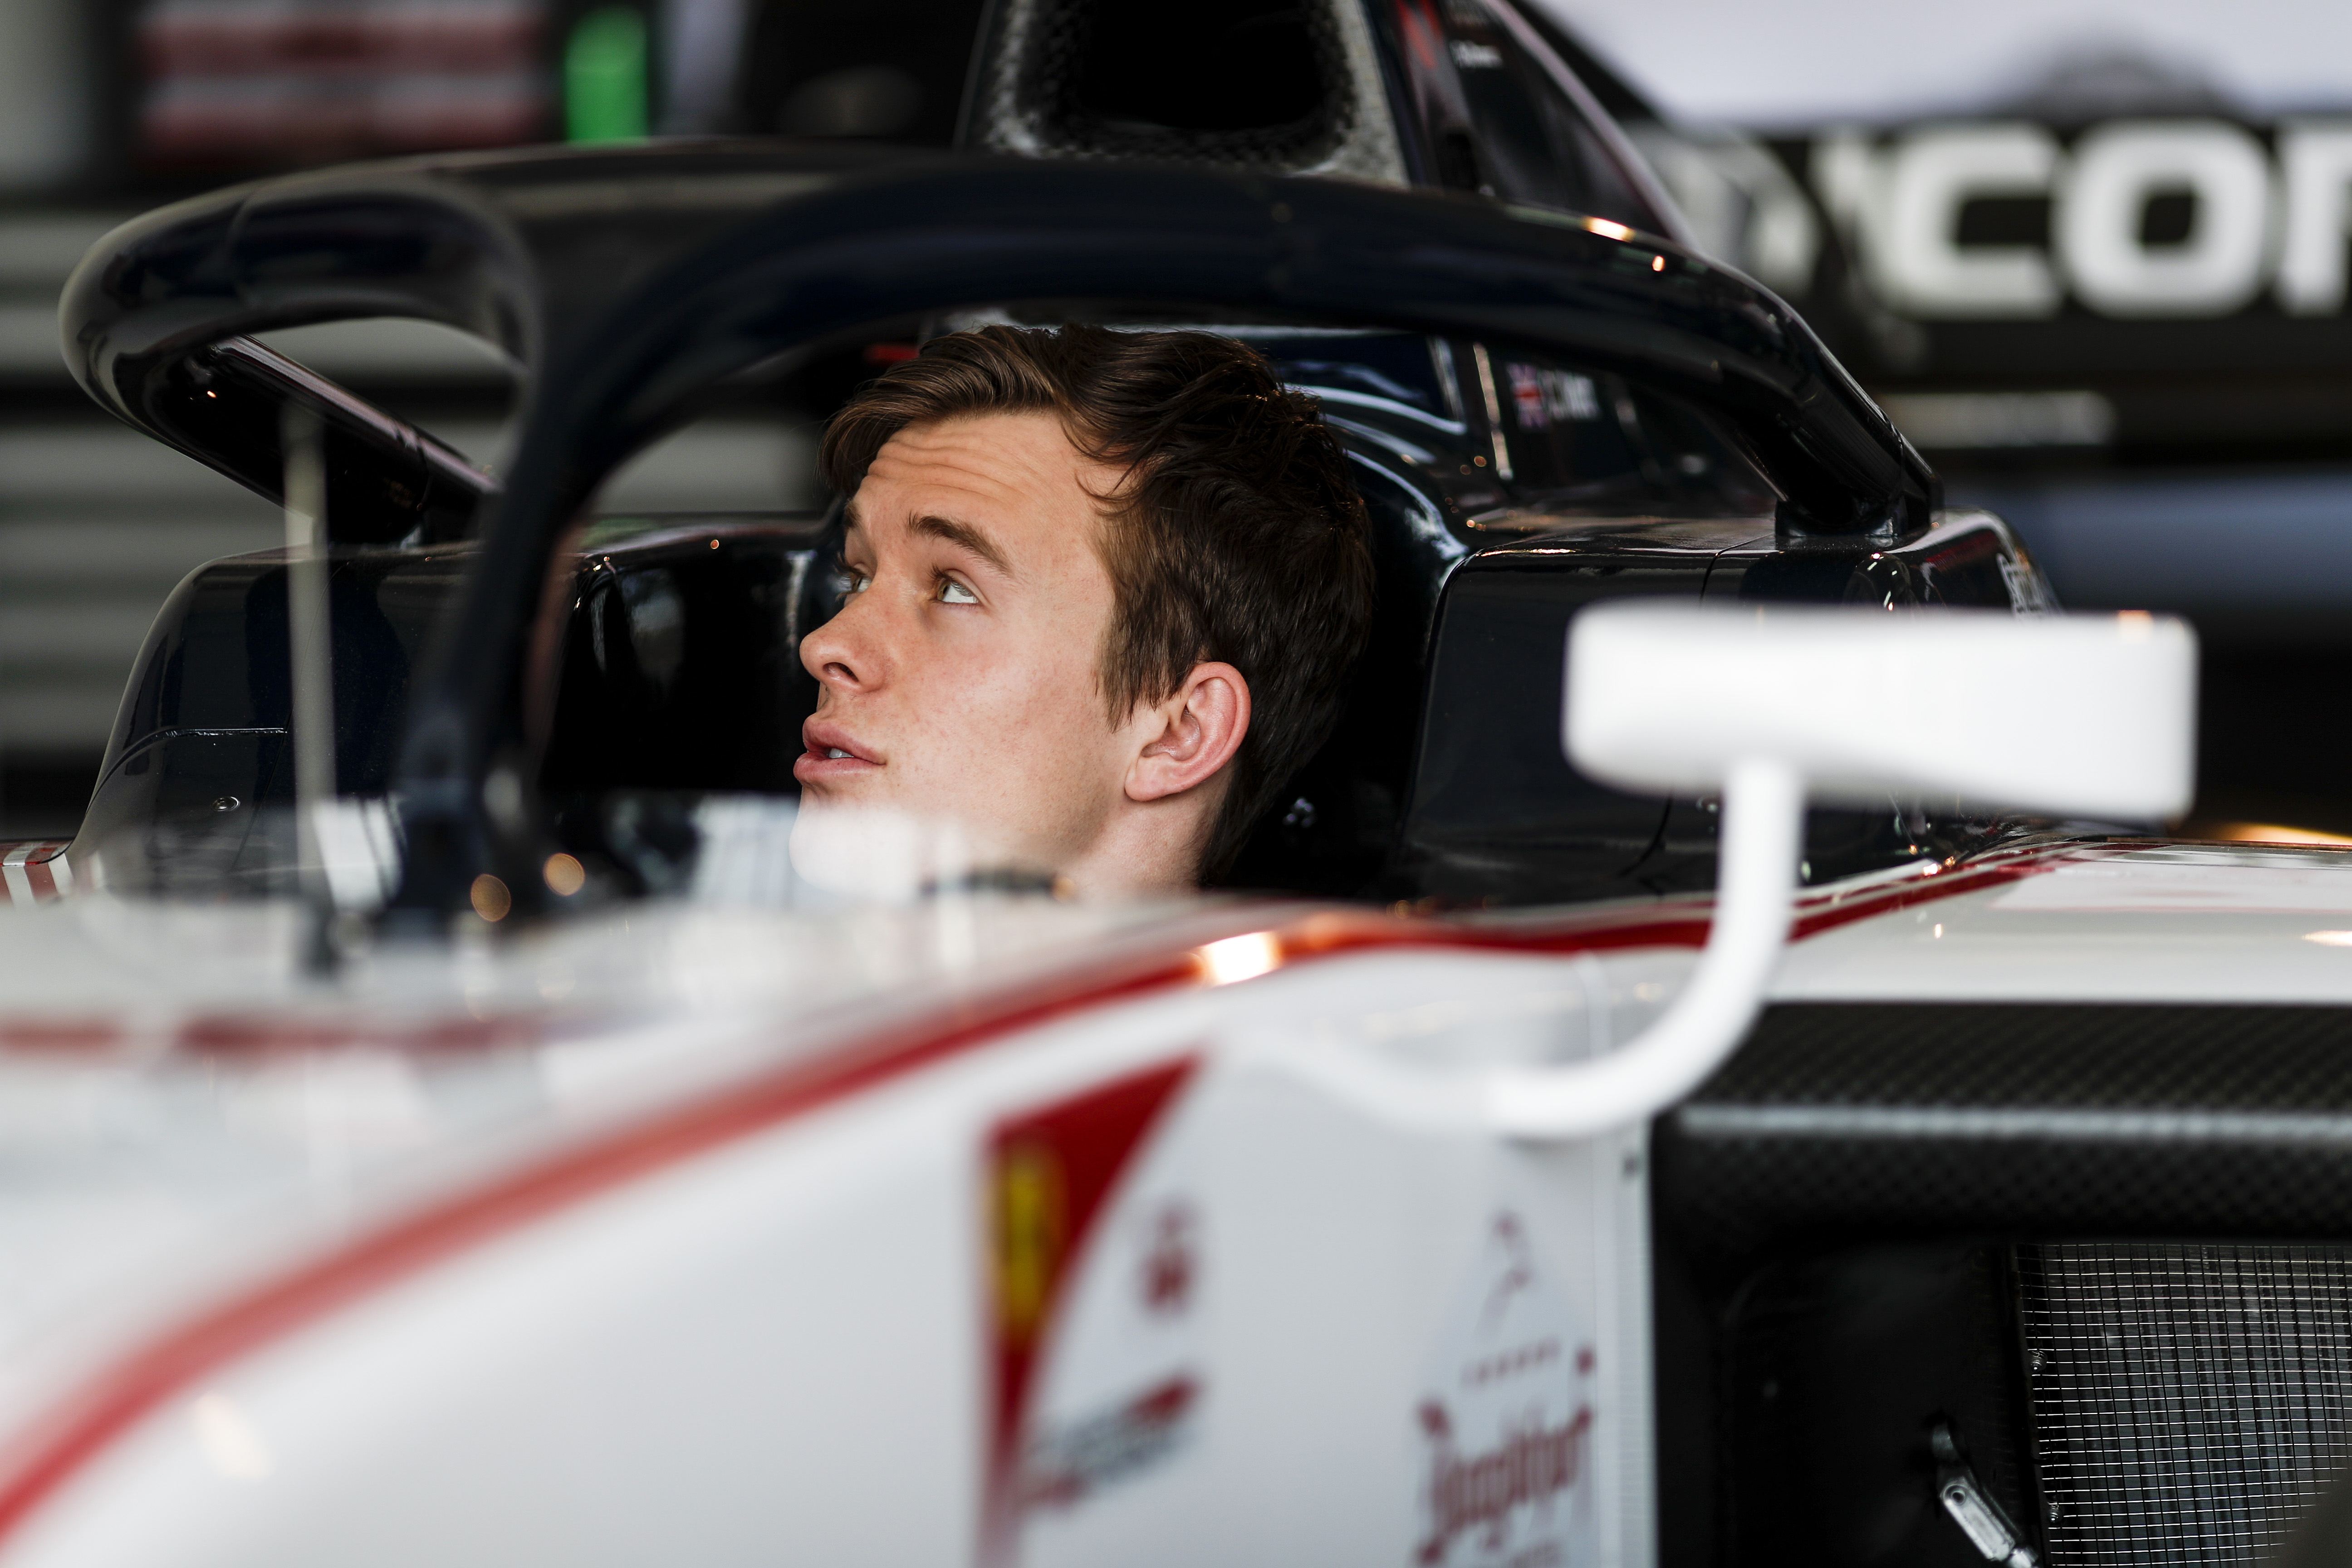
<point x="2086" y="717"/>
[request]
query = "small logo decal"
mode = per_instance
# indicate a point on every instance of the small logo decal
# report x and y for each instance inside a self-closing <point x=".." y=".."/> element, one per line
<point x="1068" y="1462"/>
<point x="1166" y="1281"/>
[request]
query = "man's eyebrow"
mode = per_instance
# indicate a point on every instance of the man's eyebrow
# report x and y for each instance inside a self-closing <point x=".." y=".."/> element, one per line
<point x="965" y="536"/>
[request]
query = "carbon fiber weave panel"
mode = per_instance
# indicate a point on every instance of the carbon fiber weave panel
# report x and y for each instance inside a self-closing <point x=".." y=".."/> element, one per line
<point x="2020" y="1121"/>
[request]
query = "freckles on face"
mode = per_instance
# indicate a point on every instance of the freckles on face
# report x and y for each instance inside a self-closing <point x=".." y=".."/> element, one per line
<point x="958" y="680"/>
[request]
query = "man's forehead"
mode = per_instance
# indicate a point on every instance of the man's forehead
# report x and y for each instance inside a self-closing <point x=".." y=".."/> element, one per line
<point x="982" y="451"/>
<point x="1005" y="467"/>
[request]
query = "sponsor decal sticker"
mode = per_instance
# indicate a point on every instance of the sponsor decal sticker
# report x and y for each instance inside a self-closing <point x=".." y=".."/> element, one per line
<point x="1095" y="1280"/>
<point x="1123" y="1385"/>
<point x="1070" y="1462"/>
<point x="1506" y="1427"/>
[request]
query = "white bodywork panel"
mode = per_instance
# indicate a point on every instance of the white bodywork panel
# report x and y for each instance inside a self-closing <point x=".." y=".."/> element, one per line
<point x="2164" y="923"/>
<point x="782" y="1344"/>
<point x="1288" y="1331"/>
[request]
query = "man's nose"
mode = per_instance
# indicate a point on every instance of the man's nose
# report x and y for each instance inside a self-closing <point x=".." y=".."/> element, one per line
<point x="842" y="652"/>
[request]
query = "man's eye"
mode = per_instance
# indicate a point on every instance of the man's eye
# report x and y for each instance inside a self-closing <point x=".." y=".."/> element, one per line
<point x="859" y="581"/>
<point x="955" y="592"/>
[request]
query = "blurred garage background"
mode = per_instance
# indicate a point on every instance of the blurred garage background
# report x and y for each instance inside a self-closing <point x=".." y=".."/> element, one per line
<point x="2092" y="256"/>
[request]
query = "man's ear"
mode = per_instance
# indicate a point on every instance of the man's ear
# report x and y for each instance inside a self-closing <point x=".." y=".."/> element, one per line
<point x="1191" y="734"/>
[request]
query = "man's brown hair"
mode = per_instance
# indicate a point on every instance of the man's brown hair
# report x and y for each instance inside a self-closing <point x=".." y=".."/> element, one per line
<point x="1234" y="536"/>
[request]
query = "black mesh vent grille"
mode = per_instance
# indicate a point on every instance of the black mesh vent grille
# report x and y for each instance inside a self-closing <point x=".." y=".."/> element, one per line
<point x="2189" y="1401"/>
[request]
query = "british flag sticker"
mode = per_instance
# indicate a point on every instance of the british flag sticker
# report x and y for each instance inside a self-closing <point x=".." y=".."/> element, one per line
<point x="1505" y="1423"/>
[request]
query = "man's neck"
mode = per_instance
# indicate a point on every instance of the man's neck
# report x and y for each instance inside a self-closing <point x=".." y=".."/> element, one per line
<point x="1147" y="850"/>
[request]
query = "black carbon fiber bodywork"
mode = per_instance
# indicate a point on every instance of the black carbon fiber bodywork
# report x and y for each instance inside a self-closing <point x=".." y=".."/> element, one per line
<point x="1845" y="1121"/>
<point x="1852" y="1215"/>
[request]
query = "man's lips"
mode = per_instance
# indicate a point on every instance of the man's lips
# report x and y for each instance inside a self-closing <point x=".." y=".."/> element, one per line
<point x="833" y="752"/>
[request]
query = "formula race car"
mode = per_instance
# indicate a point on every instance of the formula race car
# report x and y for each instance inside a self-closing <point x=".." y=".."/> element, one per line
<point x="446" y="1123"/>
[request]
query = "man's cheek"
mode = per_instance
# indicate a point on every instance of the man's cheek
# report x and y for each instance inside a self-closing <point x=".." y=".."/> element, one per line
<point x="994" y="699"/>
<point x="964" y="742"/>
<point x="1023" y="749"/>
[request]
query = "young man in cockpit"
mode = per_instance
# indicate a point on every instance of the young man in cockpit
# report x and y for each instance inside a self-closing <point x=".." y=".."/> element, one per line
<point x="1105" y="591"/>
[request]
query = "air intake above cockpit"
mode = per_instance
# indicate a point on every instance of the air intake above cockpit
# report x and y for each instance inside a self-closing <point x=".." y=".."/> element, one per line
<point x="1278" y="84"/>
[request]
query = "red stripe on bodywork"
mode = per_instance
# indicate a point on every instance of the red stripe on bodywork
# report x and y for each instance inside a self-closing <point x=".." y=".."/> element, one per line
<point x="33" y="857"/>
<point x="260" y="1035"/>
<point x="84" y="1425"/>
<point x="74" y="1432"/>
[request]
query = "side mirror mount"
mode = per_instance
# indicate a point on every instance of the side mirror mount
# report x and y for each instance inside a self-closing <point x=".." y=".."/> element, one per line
<point x="2073" y="715"/>
<point x="2077" y="716"/>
